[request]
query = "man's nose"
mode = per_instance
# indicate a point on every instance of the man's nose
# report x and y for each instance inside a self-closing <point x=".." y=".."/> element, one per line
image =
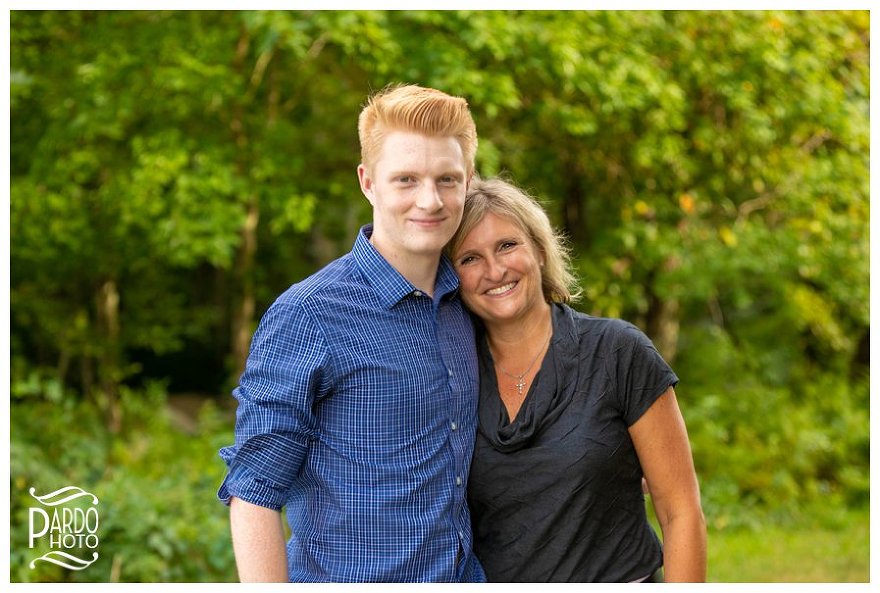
<point x="429" y="197"/>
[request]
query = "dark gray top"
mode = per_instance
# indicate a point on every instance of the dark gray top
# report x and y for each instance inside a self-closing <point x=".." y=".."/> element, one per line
<point x="556" y="495"/>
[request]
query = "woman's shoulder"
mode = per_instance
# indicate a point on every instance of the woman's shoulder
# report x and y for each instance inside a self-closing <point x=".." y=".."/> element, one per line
<point x="594" y="327"/>
<point x="588" y="322"/>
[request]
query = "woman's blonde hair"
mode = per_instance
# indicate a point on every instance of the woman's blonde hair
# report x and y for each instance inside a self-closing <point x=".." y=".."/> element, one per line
<point x="418" y="109"/>
<point x="502" y="198"/>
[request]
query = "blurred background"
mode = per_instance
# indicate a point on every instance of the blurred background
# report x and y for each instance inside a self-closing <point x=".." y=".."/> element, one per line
<point x="173" y="172"/>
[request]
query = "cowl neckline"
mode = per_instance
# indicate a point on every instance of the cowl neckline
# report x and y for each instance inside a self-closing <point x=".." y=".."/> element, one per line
<point x="550" y="392"/>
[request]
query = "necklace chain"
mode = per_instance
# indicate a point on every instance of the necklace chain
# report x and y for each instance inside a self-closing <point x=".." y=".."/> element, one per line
<point x="520" y="379"/>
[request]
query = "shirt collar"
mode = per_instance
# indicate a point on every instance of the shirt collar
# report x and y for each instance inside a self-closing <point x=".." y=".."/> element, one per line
<point x="389" y="284"/>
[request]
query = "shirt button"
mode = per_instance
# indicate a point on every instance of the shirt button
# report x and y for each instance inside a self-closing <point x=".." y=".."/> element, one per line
<point x="449" y="371"/>
<point x="461" y="534"/>
<point x="453" y="425"/>
<point x="458" y="480"/>
<point x="418" y="293"/>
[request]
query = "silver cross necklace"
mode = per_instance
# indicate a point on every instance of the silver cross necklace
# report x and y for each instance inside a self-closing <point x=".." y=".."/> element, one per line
<point x="520" y="379"/>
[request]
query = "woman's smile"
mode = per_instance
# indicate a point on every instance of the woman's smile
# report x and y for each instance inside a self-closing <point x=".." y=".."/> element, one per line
<point x="501" y="289"/>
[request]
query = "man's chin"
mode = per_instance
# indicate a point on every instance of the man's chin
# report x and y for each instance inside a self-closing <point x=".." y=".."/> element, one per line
<point x="430" y="243"/>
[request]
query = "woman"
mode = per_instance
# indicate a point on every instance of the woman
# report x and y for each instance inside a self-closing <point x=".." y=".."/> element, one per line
<point x="574" y="411"/>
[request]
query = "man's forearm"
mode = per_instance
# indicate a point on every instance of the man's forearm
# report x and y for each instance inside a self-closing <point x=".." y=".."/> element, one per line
<point x="258" y="542"/>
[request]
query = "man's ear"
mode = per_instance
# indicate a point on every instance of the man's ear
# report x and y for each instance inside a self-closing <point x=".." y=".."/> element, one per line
<point x="366" y="182"/>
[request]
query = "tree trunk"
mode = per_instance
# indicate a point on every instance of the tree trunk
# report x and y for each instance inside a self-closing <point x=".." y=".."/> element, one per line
<point x="662" y="318"/>
<point x="573" y="219"/>
<point x="861" y="362"/>
<point x="243" y="316"/>
<point x="245" y="308"/>
<point x="109" y="369"/>
<point x="662" y="322"/>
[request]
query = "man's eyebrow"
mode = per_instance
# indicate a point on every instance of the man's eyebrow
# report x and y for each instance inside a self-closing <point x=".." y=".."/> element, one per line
<point x="459" y="175"/>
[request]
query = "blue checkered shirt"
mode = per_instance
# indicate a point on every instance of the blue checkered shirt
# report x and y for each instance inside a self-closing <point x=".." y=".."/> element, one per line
<point x="357" y="412"/>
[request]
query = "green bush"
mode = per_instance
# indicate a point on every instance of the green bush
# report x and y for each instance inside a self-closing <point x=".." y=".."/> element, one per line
<point x="159" y="517"/>
<point x="763" y="453"/>
<point x="771" y="446"/>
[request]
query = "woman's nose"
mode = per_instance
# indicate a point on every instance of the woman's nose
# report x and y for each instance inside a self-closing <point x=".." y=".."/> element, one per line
<point x="495" y="269"/>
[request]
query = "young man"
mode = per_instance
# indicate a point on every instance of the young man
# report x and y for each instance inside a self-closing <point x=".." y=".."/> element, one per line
<point x="357" y="408"/>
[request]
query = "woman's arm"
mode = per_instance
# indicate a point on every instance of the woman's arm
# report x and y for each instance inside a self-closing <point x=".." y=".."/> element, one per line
<point x="661" y="442"/>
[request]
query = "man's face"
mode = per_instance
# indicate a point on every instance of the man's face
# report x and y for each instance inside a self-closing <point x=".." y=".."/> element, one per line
<point x="417" y="189"/>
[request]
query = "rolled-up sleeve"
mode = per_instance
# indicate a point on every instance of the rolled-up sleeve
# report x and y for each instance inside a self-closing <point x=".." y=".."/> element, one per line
<point x="274" y="420"/>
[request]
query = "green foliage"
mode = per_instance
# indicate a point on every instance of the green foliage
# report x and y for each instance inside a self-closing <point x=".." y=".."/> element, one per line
<point x="771" y="442"/>
<point x="172" y="172"/>
<point x="159" y="518"/>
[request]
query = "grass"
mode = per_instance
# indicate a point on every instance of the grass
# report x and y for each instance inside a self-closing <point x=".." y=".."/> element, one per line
<point x="814" y="551"/>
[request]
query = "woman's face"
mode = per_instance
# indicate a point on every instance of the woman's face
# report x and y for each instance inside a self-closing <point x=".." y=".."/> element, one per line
<point x="500" y="271"/>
